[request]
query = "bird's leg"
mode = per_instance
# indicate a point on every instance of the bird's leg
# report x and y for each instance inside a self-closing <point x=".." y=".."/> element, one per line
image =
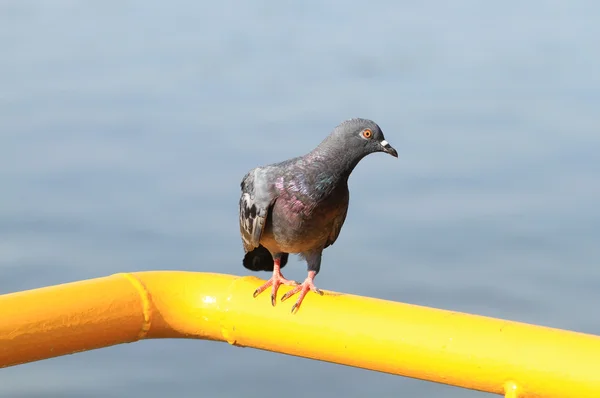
<point x="313" y="260"/>
<point x="276" y="280"/>
<point x="303" y="288"/>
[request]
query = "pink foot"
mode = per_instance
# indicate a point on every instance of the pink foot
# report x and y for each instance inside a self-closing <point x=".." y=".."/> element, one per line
<point x="276" y="280"/>
<point x="305" y="287"/>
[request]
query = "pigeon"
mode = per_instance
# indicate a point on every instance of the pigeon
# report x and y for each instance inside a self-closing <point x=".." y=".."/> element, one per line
<point x="299" y="205"/>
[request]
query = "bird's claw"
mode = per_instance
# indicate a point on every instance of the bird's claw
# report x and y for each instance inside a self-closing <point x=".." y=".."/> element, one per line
<point x="303" y="289"/>
<point x="275" y="281"/>
<point x="295" y="308"/>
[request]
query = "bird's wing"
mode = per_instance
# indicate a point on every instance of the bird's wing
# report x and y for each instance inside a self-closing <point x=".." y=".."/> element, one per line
<point x="257" y="198"/>
<point x="337" y="227"/>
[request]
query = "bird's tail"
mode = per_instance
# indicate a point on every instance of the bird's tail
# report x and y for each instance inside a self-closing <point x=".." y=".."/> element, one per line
<point x="260" y="259"/>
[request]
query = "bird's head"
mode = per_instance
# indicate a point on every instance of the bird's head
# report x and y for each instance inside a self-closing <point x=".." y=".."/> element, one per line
<point x="362" y="137"/>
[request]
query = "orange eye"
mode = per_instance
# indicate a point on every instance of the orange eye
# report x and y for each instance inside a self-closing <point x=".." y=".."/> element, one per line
<point x="367" y="133"/>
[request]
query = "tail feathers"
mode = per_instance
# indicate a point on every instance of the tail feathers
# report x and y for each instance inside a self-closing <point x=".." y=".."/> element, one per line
<point x="260" y="259"/>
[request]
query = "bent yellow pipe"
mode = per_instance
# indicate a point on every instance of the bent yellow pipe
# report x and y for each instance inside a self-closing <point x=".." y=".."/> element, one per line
<point x="470" y="351"/>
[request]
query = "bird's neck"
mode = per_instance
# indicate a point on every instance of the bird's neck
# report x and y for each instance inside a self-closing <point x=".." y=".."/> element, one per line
<point x="333" y="158"/>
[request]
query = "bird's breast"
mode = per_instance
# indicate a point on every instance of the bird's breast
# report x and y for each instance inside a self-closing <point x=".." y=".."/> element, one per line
<point x="299" y="224"/>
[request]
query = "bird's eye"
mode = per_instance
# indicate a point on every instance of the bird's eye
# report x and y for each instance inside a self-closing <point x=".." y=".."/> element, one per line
<point x="367" y="133"/>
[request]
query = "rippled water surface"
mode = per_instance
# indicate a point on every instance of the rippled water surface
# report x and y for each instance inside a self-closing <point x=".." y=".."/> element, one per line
<point x="125" y="129"/>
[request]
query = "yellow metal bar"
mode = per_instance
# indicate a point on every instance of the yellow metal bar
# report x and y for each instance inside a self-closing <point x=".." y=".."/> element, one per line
<point x="493" y="355"/>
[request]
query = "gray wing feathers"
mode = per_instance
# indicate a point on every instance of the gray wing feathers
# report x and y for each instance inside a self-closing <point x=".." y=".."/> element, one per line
<point x="257" y="197"/>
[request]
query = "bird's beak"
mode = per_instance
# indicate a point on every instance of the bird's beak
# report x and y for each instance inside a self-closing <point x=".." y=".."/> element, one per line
<point x="387" y="148"/>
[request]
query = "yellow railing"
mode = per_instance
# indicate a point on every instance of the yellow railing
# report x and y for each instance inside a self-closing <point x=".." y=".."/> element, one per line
<point x="480" y="353"/>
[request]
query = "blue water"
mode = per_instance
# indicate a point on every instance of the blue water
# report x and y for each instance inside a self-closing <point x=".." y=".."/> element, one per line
<point x="125" y="128"/>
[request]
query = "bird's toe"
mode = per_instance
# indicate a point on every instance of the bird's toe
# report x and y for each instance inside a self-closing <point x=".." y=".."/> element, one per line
<point x="303" y="289"/>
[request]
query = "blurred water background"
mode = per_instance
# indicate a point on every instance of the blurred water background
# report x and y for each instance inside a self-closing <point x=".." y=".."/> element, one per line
<point x="125" y="129"/>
